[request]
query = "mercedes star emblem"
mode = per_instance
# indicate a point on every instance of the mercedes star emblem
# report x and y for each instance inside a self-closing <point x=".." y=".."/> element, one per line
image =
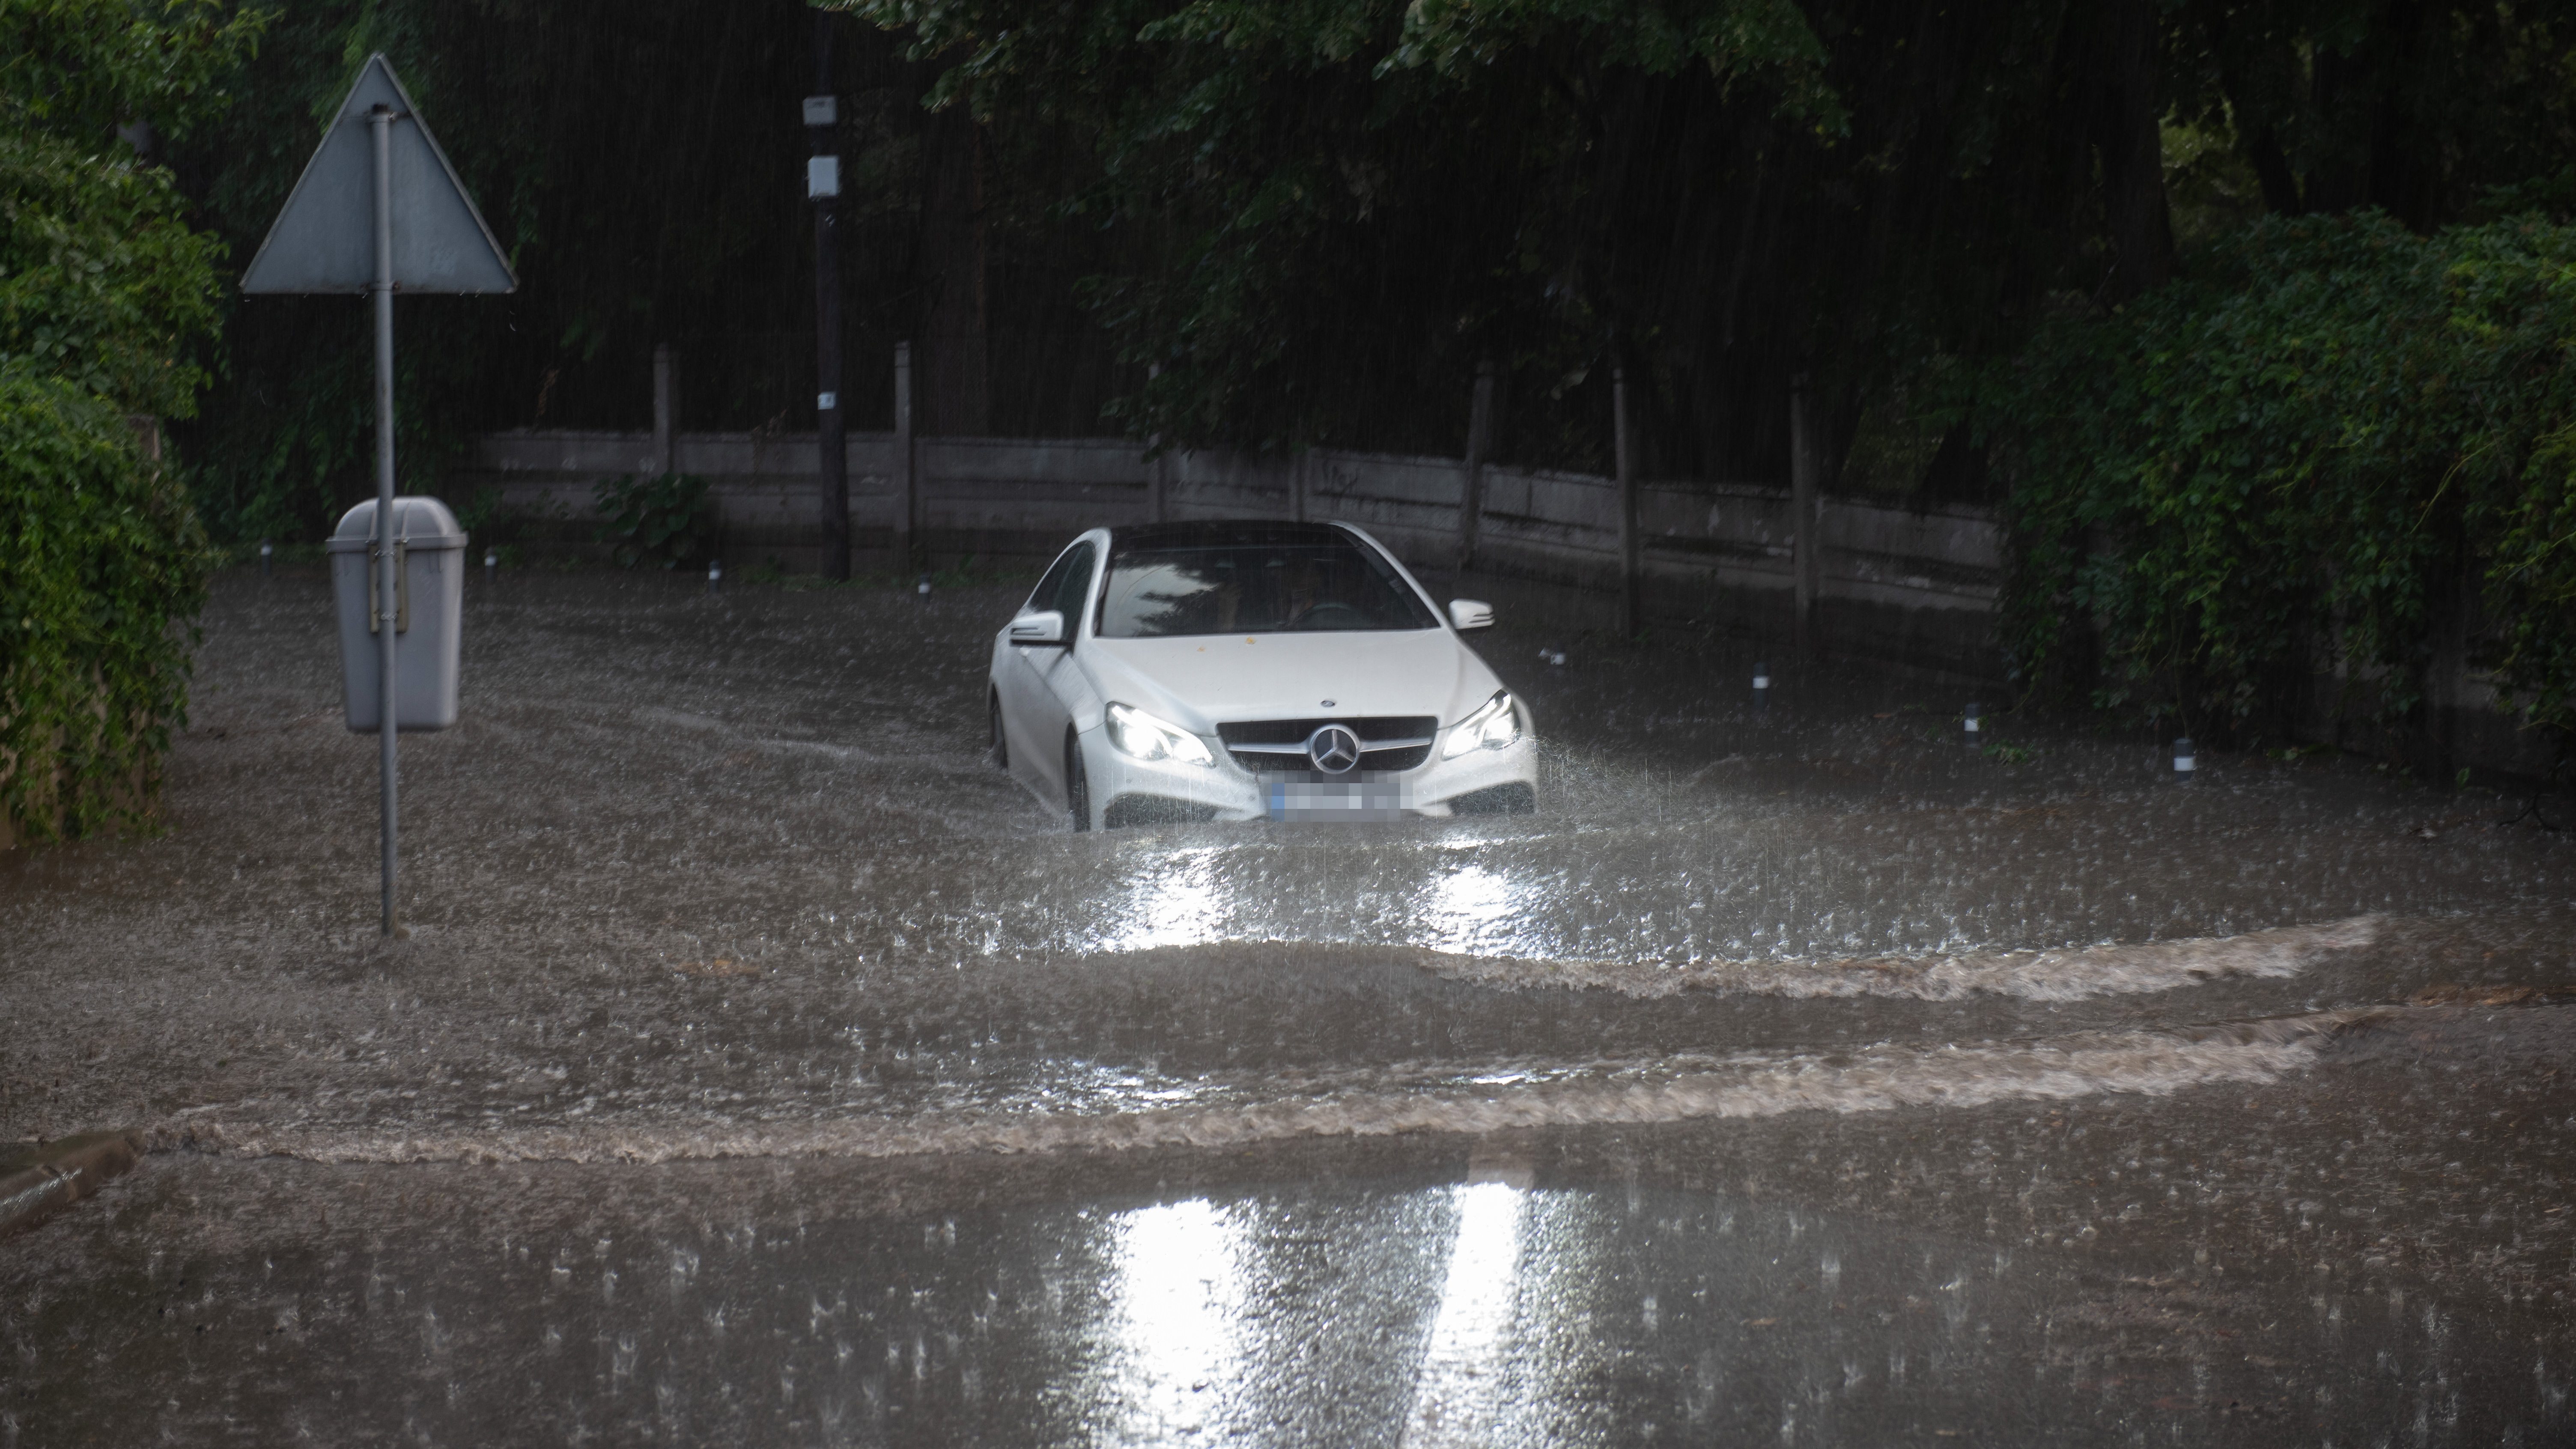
<point x="1334" y="749"/>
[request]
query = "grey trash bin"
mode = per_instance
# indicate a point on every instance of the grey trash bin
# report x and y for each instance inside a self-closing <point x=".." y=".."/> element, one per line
<point x="430" y="589"/>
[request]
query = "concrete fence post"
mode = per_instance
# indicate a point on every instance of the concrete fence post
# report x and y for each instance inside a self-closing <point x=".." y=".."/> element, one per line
<point x="1631" y="583"/>
<point x="1805" y="547"/>
<point x="1480" y="446"/>
<point x="1157" y="470"/>
<point x="907" y="487"/>
<point x="666" y="407"/>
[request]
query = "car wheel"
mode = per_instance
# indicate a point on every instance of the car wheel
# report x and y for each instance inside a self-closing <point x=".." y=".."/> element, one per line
<point x="1077" y="783"/>
<point x="1001" y="743"/>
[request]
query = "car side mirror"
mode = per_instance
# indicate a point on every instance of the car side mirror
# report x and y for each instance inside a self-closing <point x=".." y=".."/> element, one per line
<point x="1467" y="614"/>
<point x="1046" y="626"/>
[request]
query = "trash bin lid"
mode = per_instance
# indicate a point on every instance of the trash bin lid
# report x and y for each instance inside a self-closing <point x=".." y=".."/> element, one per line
<point x="418" y="522"/>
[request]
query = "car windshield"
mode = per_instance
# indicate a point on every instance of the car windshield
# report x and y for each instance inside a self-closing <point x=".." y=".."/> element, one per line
<point x="1310" y="582"/>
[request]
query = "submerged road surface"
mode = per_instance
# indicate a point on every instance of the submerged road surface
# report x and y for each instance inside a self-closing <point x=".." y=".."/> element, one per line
<point x="767" y="1067"/>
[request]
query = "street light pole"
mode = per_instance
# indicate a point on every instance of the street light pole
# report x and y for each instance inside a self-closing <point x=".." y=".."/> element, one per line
<point x="823" y="188"/>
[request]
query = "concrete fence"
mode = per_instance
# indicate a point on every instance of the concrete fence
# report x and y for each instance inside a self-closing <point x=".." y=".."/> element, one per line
<point x="1916" y="587"/>
<point x="1894" y="583"/>
<point x="1910" y="587"/>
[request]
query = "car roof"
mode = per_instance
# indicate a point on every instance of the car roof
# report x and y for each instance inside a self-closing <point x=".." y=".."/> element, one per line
<point x="1224" y="532"/>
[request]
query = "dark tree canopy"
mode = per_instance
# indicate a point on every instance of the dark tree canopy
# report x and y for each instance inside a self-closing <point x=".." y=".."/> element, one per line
<point x="1326" y="212"/>
<point x="1282" y="222"/>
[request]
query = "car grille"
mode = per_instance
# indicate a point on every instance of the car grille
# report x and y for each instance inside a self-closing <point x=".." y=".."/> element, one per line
<point x="1278" y="746"/>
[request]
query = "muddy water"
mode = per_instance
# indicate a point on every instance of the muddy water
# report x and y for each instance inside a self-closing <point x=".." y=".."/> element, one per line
<point x="765" y="1067"/>
<point x="707" y="875"/>
<point x="2227" y="1264"/>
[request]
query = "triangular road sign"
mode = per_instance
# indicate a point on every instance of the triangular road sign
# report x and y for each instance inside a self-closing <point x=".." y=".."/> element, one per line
<point x="325" y="239"/>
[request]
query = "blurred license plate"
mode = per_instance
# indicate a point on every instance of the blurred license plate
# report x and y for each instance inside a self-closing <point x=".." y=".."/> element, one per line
<point x="1353" y="800"/>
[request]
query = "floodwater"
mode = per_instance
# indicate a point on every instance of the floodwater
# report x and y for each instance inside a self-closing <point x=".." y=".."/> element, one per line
<point x="764" y="1064"/>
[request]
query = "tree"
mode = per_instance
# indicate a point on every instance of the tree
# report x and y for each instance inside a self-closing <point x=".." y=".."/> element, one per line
<point x="102" y="283"/>
<point x="105" y="296"/>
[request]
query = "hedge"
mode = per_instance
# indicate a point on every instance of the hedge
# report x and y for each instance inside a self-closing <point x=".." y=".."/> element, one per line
<point x="100" y="560"/>
<point x="2335" y="447"/>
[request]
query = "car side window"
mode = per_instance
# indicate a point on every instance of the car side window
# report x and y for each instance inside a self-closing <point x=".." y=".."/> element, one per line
<point x="1051" y="586"/>
<point x="1073" y="586"/>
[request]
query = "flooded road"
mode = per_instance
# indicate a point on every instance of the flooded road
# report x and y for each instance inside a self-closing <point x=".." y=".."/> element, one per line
<point x="766" y="1064"/>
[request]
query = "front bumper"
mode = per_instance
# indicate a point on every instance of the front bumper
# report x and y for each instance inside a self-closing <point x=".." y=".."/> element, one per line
<point x="1125" y="789"/>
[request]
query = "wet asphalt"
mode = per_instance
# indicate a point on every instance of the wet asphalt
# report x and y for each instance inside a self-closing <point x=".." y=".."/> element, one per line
<point x="766" y="1067"/>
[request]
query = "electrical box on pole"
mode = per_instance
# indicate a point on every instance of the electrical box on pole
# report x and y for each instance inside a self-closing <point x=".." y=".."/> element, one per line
<point x="379" y="210"/>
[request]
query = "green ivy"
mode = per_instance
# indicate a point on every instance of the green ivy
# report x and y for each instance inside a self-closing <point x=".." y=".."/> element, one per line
<point x="2533" y="581"/>
<point x="103" y="556"/>
<point x="101" y="281"/>
<point x="2335" y="443"/>
<point x="660" y="520"/>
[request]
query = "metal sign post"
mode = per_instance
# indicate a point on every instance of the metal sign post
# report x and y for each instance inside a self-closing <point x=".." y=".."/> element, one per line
<point x="380" y="126"/>
<point x="377" y="209"/>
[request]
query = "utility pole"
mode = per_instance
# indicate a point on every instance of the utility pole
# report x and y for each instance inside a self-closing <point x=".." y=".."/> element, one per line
<point x="823" y="188"/>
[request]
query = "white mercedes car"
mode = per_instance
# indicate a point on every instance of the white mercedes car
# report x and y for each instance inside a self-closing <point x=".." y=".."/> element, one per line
<point x="1249" y="671"/>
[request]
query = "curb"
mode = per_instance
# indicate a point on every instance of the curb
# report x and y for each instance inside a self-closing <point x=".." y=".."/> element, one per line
<point x="39" y="1179"/>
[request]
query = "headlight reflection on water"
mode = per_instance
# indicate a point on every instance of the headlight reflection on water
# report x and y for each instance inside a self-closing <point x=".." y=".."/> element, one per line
<point x="1474" y="911"/>
<point x="1172" y="901"/>
<point x="1183" y="1354"/>
<point x="1401" y="897"/>
<point x="1179" y="1316"/>
<point x="1458" y="1394"/>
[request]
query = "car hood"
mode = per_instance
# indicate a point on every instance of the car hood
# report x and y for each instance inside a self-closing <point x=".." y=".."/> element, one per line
<point x="1199" y="681"/>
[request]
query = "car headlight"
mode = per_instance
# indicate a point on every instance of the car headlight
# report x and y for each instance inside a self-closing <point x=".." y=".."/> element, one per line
<point x="1494" y="725"/>
<point x="1141" y="735"/>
